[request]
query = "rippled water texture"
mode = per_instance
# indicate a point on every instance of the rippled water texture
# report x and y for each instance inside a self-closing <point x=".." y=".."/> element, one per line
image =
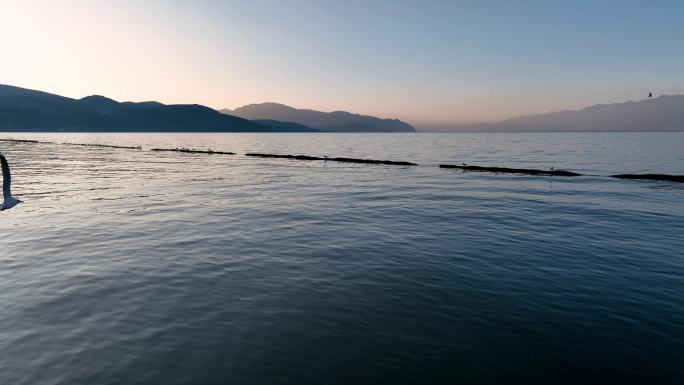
<point x="135" y="267"/>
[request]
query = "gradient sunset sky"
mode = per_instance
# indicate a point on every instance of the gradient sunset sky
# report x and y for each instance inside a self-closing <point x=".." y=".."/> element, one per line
<point x="420" y="61"/>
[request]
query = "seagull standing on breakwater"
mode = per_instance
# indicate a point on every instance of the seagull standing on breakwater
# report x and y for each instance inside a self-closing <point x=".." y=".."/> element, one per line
<point x="9" y="200"/>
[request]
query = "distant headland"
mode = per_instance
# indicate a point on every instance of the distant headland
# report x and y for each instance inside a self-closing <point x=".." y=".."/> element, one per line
<point x="664" y="113"/>
<point x="337" y="121"/>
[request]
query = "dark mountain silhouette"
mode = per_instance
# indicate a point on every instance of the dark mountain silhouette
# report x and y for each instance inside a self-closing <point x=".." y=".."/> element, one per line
<point x="664" y="113"/>
<point x="284" y="126"/>
<point x="338" y="121"/>
<point x="28" y="110"/>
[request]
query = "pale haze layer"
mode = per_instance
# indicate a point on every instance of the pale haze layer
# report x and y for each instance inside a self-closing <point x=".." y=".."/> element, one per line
<point x="423" y="62"/>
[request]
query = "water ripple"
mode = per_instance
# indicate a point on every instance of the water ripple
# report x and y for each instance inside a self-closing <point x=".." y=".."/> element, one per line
<point x="140" y="268"/>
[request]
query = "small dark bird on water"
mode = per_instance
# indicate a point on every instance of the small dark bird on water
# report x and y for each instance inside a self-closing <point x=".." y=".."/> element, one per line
<point x="650" y="94"/>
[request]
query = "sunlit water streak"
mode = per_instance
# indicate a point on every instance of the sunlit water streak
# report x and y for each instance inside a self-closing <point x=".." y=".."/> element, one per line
<point x="136" y="267"/>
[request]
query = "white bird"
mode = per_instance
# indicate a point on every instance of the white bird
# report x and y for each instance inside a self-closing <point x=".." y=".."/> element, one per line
<point x="9" y="200"/>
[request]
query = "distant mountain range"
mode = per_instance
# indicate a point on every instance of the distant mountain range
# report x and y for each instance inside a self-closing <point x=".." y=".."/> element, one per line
<point x="28" y="110"/>
<point x="664" y="113"/>
<point x="337" y="121"/>
<point x="23" y="109"/>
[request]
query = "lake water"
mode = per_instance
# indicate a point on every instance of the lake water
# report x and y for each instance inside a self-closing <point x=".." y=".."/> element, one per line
<point x="139" y="267"/>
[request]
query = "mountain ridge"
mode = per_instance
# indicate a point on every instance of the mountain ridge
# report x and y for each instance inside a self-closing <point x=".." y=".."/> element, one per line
<point x="335" y="121"/>
<point x="23" y="109"/>
<point x="664" y="113"/>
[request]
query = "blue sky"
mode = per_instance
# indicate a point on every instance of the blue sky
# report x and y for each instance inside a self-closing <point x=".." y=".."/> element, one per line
<point x="421" y="61"/>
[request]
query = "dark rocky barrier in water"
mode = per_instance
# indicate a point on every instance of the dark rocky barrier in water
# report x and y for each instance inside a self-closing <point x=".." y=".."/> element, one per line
<point x="500" y="170"/>
<point x="345" y="160"/>
<point x="103" y="145"/>
<point x="24" y="141"/>
<point x="506" y="170"/>
<point x="297" y="157"/>
<point x="71" y="144"/>
<point x="664" y="177"/>
<point x="189" y="151"/>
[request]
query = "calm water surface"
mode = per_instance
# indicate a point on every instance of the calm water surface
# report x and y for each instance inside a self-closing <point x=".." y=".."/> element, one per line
<point x="137" y="267"/>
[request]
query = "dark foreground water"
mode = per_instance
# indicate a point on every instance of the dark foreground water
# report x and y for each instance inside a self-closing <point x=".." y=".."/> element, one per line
<point x="135" y="267"/>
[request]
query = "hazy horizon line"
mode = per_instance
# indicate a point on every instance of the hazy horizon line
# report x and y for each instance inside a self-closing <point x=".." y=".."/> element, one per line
<point x="416" y="123"/>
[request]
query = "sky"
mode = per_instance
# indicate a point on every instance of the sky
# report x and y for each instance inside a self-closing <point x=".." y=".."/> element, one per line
<point x="425" y="62"/>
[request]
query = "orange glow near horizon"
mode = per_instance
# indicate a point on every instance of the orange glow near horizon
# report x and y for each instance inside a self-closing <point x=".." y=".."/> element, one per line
<point x="226" y="56"/>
